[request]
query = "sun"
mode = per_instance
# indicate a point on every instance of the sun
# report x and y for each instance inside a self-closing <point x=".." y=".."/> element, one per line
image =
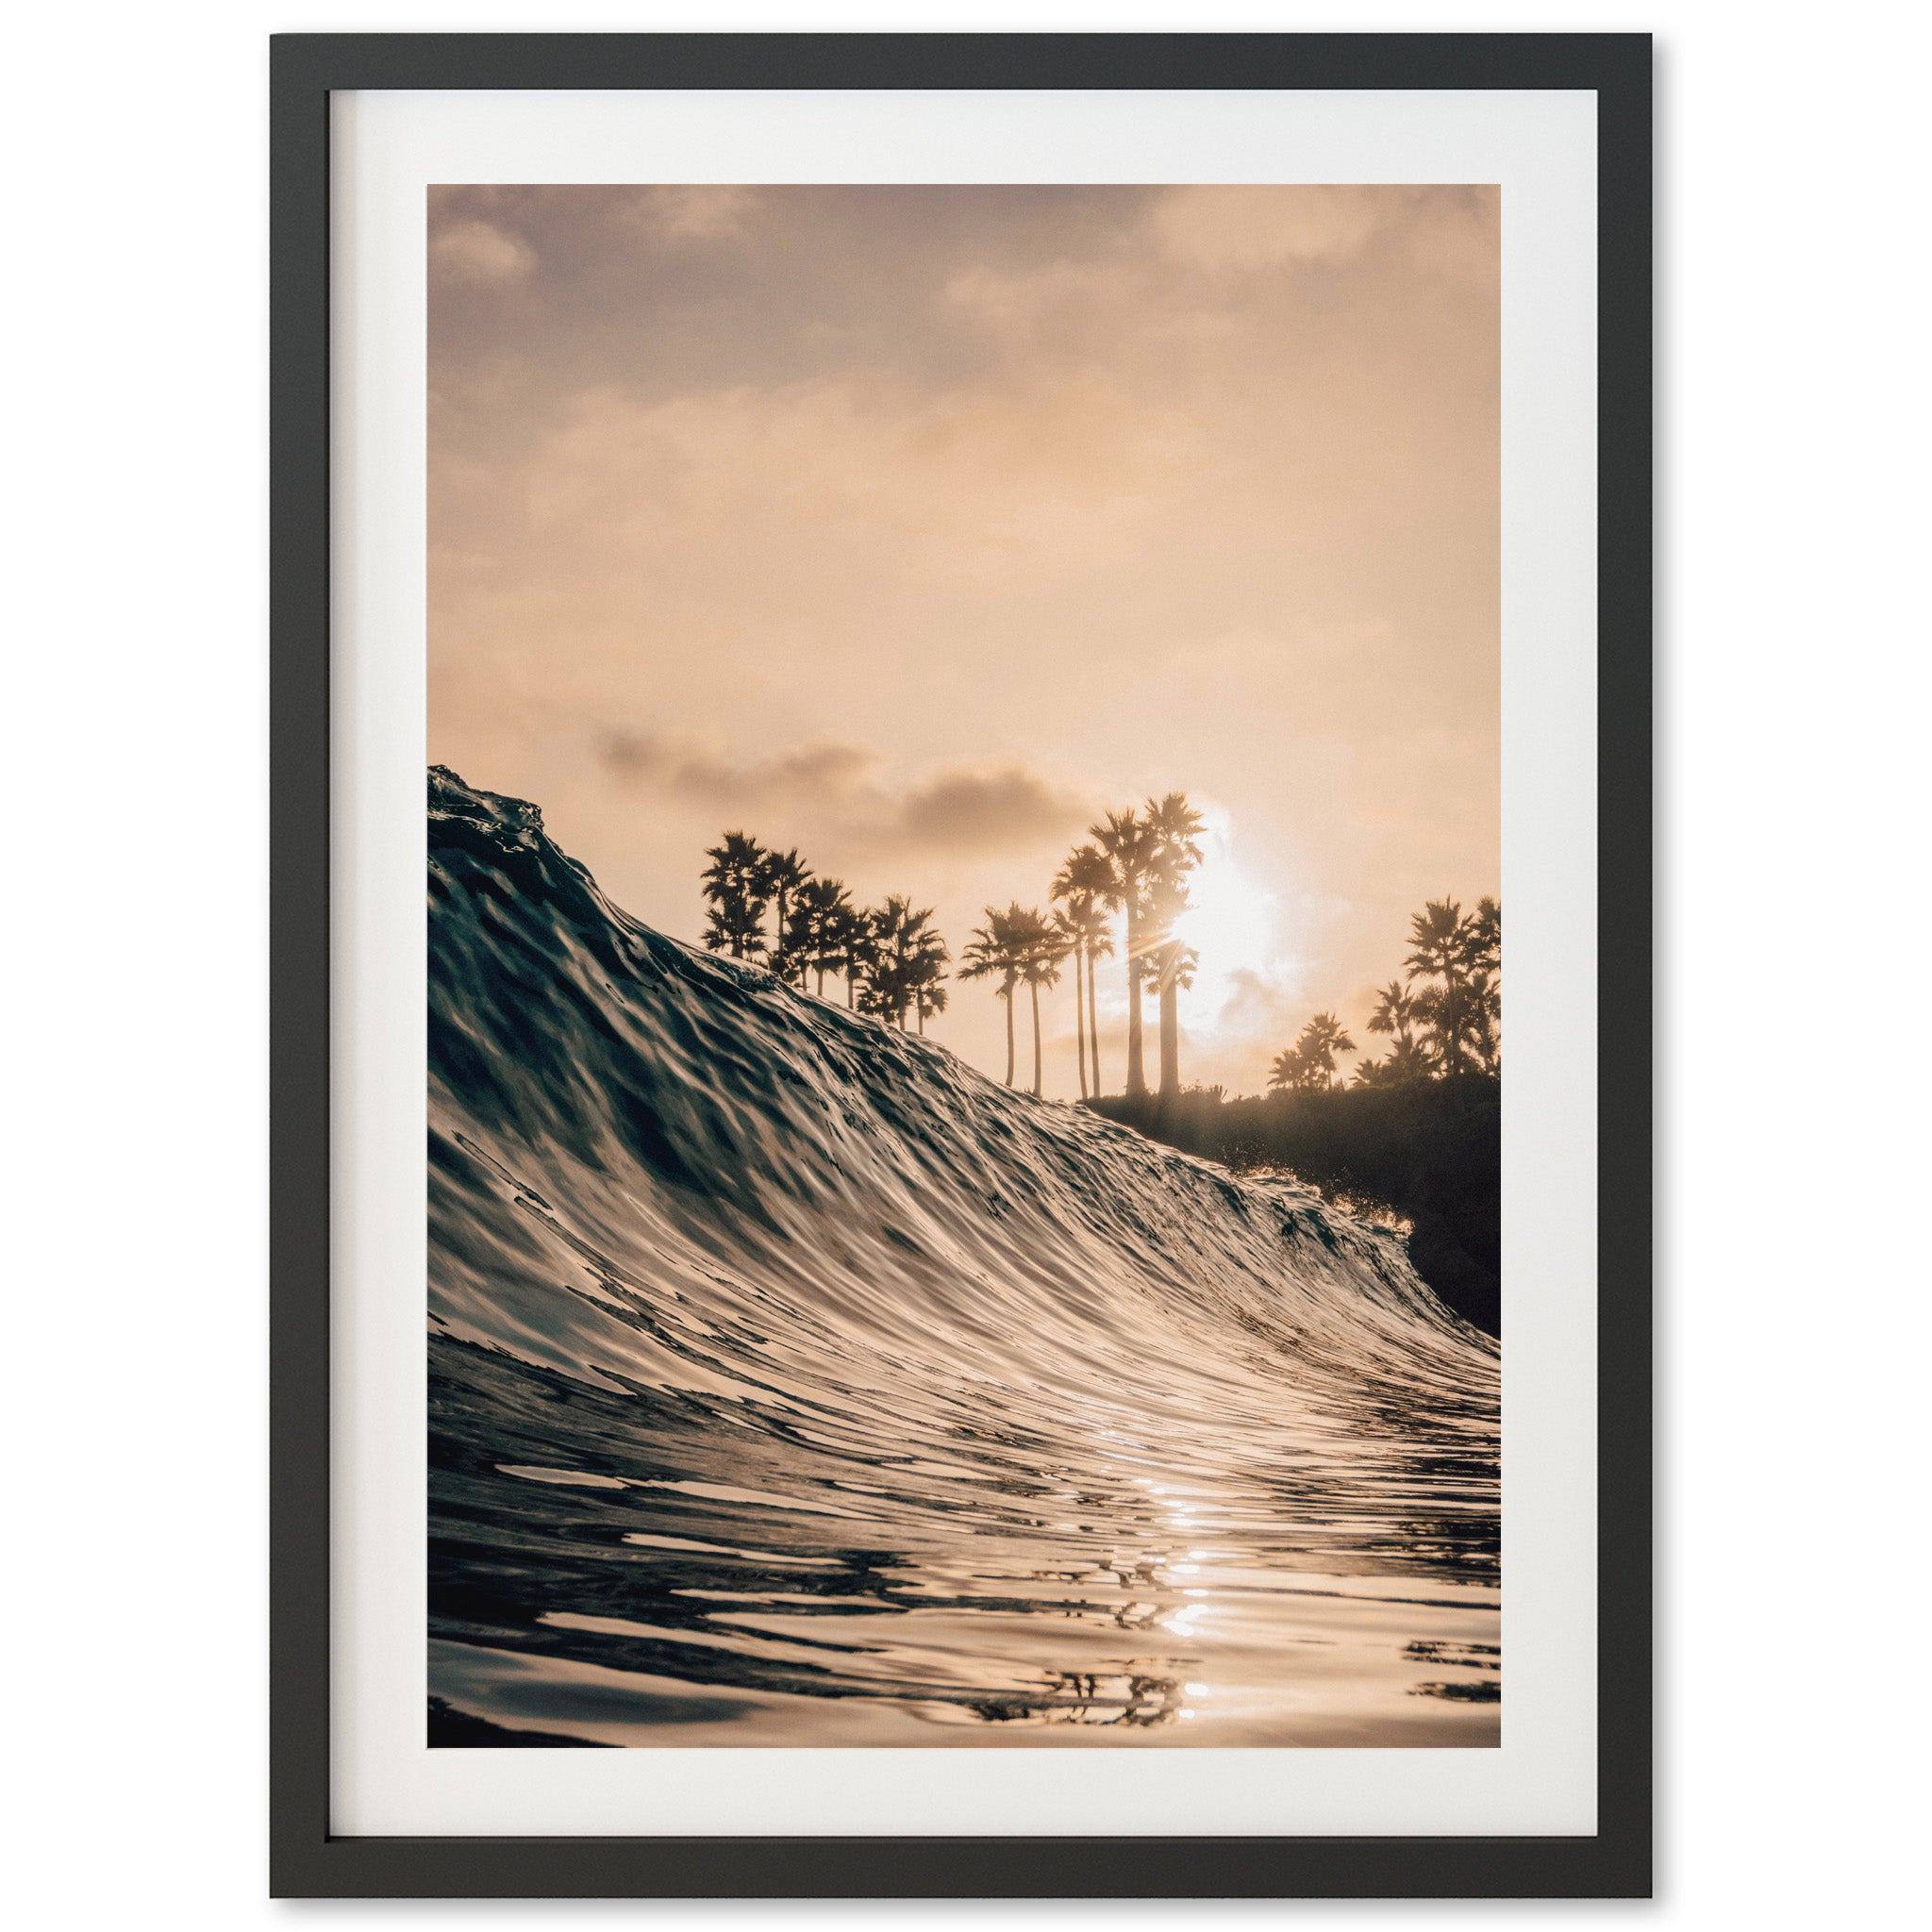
<point x="1232" y="922"/>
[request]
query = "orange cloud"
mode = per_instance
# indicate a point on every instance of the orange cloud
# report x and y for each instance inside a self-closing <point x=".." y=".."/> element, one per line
<point x="840" y="790"/>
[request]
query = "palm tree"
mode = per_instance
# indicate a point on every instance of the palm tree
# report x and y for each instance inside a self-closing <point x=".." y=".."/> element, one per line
<point x="924" y="967"/>
<point x="1406" y="1061"/>
<point x="1394" y="1013"/>
<point x="1486" y="936"/>
<point x="784" y="874"/>
<point x="1067" y="936"/>
<point x="814" y="930"/>
<point x="996" y="951"/>
<point x="1080" y="888"/>
<point x="1174" y="963"/>
<point x="1485" y="958"/>
<point x="1324" y="1036"/>
<point x="1486" y="1038"/>
<point x="1098" y="934"/>
<point x="849" y="948"/>
<point x="906" y="954"/>
<point x="1309" y="1065"/>
<point x="1042" y="947"/>
<point x="926" y="957"/>
<point x="1129" y="847"/>
<point x="1443" y="943"/>
<point x="1176" y="828"/>
<point x="735" y="884"/>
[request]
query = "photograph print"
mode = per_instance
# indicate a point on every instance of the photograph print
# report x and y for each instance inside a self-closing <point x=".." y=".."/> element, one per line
<point x="964" y="966"/>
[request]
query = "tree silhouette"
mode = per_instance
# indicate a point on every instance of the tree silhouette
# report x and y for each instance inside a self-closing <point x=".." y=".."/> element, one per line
<point x="1174" y="962"/>
<point x="923" y="968"/>
<point x="1309" y="1065"/>
<point x="1444" y="947"/>
<point x="1176" y="828"/>
<point x="849" y="948"/>
<point x="1443" y="1021"/>
<point x="1129" y="847"/>
<point x="1099" y="941"/>
<point x="815" y="928"/>
<point x="1394" y="1012"/>
<point x="997" y="951"/>
<point x="907" y="954"/>
<point x="1486" y="936"/>
<point x="1406" y="1061"/>
<point x="1485" y="958"/>
<point x="1067" y="934"/>
<point x="784" y="874"/>
<point x="926" y="1000"/>
<point x="1394" y="1015"/>
<point x="735" y="886"/>
<point x="1324" y="1036"/>
<point x="1080" y="888"/>
<point x="1042" y="946"/>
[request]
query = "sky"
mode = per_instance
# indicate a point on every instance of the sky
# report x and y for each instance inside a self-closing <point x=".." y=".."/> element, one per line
<point x="917" y="526"/>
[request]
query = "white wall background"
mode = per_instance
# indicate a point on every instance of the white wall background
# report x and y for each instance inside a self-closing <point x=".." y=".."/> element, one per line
<point x="1792" y="947"/>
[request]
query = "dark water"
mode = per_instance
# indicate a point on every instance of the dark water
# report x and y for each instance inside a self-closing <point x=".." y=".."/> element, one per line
<point x="790" y="1383"/>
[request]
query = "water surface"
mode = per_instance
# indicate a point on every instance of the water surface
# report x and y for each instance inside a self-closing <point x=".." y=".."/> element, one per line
<point x="792" y="1384"/>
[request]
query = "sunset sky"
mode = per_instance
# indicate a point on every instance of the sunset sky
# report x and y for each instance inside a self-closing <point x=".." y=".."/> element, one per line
<point x="916" y="526"/>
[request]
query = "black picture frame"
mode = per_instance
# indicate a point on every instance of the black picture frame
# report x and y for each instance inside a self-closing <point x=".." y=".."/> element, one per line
<point x="307" y="1859"/>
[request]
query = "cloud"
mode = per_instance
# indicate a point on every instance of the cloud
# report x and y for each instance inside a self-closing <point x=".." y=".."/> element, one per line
<point x="835" y="773"/>
<point x="1230" y="229"/>
<point x="859" y="479"/>
<point x="1025" y="302"/>
<point x="840" y="789"/>
<point x="1226" y="227"/>
<point x="963" y="809"/>
<point x="1463" y="234"/>
<point x="479" y="253"/>
<point x="698" y="214"/>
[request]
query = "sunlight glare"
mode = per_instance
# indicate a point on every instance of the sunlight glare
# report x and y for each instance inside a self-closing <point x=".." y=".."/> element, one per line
<point x="1231" y="921"/>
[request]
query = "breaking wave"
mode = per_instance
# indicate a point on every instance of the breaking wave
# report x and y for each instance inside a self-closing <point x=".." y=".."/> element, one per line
<point x="792" y="1383"/>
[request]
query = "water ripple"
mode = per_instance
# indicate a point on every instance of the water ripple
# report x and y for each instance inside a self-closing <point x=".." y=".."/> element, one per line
<point x="792" y="1384"/>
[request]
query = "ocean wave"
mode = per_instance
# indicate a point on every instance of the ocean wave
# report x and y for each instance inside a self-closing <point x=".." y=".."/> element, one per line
<point x="791" y="1382"/>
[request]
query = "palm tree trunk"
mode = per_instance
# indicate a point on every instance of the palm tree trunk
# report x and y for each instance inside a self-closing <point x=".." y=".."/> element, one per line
<point x="1170" y="1036"/>
<point x="1033" y="988"/>
<point x="1137" y="1074"/>
<point x="1009" y="996"/>
<point x="1094" y="1025"/>
<point x="1080" y="1019"/>
<point x="851" y="979"/>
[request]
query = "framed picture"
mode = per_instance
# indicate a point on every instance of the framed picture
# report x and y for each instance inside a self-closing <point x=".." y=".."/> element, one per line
<point x="981" y="628"/>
